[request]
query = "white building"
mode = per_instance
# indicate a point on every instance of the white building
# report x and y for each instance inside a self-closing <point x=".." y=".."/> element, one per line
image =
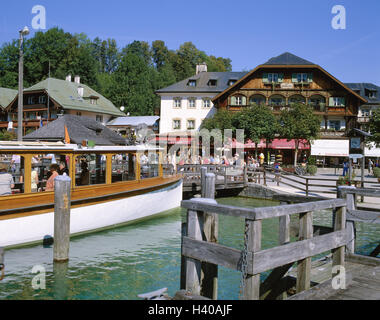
<point x="185" y="104"/>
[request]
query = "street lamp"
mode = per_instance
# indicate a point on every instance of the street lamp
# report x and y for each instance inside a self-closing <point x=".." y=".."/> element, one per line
<point x="23" y="32"/>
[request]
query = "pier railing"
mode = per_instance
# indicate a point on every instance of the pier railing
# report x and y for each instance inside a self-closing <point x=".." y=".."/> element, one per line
<point x="253" y="260"/>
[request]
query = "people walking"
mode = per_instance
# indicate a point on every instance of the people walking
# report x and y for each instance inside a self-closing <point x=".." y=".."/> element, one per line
<point x="345" y="167"/>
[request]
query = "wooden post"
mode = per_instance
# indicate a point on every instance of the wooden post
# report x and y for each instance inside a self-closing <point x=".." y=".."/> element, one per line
<point x="109" y="168"/>
<point x="225" y="177"/>
<point x="62" y="202"/>
<point x="304" y="265"/>
<point x="2" y="263"/>
<point x="339" y="224"/>
<point x="209" y="276"/>
<point x="245" y="176"/>
<point x="203" y="182"/>
<point x="265" y="177"/>
<point x="195" y="230"/>
<point x="61" y="285"/>
<point x="350" y="225"/>
<point x="27" y="173"/>
<point x="284" y="227"/>
<point x="307" y="186"/>
<point x="183" y="259"/>
<point x="252" y="282"/>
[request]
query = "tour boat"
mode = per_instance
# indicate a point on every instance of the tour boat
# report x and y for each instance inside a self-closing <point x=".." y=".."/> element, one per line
<point x="120" y="188"/>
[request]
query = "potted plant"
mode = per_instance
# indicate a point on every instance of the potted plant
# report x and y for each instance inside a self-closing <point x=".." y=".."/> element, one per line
<point x="376" y="173"/>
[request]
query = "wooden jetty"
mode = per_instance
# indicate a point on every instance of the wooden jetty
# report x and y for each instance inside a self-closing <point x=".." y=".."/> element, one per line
<point x="200" y="248"/>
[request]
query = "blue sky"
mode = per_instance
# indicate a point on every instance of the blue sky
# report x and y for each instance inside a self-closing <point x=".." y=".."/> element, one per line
<point x="249" y="32"/>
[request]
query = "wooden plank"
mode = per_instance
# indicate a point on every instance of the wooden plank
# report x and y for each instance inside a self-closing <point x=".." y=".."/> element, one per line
<point x="304" y="265"/>
<point x="252" y="282"/>
<point x="263" y="212"/>
<point x="365" y="260"/>
<point x="363" y="216"/>
<point x="263" y="260"/>
<point x="367" y="192"/>
<point x="350" y="224"/>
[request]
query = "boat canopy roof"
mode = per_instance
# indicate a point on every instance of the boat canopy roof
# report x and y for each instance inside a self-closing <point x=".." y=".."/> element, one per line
<point x="19" y="146"/>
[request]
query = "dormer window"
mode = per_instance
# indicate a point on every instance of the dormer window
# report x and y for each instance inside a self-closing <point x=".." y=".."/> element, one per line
<point x="231" y="82"/>
<point x="370" y="93"/>
<point x="273" y="77"/>
<point x="212" y="82"/>
<point x="192" y="83"/>
<point x="93" y="101"/>
<point x="42" y="99"/>
<point x="302" y="77"/>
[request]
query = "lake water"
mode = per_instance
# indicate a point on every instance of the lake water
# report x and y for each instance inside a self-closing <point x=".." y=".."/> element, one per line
<point x="122" y="262"/>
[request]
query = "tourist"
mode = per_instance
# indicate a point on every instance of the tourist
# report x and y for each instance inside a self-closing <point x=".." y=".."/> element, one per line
<point x="261" y="158"/>
<point x="34" y="180"/>
<point x="54" y="173"/>
<point x="63" y="169"/>
<point x="345" y="167"/>
<point x="6" y="180"/>
<point x="370" y="165"/>
<point x="85" y="174"/>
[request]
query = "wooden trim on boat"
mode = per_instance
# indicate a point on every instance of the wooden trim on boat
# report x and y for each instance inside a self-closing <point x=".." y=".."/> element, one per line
<point x="43" y="202"/>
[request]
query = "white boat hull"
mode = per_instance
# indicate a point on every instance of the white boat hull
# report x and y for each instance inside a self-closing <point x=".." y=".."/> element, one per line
<point x="33" y="229"/>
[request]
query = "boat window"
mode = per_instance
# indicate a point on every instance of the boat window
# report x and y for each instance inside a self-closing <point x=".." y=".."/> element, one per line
<point x="45" y="167"/>
<point x="123" y="167"/>
<point x="149" y="165"/>
<point x="11" y="174"/>
<point x="90" y="169"/>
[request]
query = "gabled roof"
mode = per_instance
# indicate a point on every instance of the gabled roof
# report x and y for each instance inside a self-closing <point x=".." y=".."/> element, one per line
<point x="65" y="93"/>
<point x="6" y="97"/>
<point x="361" y="87"/>
<point x="133" y="121"/>
<point x="79" y="129"/>
<point x="287" y="59"/>
<point x="202" y="80"/>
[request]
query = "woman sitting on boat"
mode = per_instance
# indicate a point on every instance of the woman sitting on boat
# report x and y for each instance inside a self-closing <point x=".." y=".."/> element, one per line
<point x="54" y="172"/>
<point x="6" y="180"/>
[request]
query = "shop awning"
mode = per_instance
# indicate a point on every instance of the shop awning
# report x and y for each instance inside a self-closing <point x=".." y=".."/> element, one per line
<point x="372" y="151"/>
<point x="275" y="144"/>
<point x="175" y="140"/>
<point x="330" y="148"/>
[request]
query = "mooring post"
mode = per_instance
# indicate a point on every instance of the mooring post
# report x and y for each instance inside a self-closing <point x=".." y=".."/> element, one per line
<point x="350" y="225"/>
<point x="1" y="263"/>
<point x="62" y="202"/>
<point x="203" y="181"/>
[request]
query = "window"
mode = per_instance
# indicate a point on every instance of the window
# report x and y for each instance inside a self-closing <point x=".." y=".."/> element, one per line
<point x="177" y="102"/>
<point x="93" y="101"/>
<point x="231" y="82"/>
<point x="79" y="113"/>
<point x="297" y="99"/>
<point x="337" y="102"/>
<point x="149" y="165"/>
<point x="336" y="124"/>
<point x="302" y="77"/>
<point x="99" y="118"/>
<point x="370" y="93"/>
<point x="212" y="82"/>
<point x="365" y="113"/>
<point x="176" y="124"/>
<point x="42" y="99"/>
<point x="276" y="100"/>
<point x="90" y="169"/>
<point x="123" y="167"/>
<point x="257" y="99"/>
<point x="30" y="100"/>
<point x="12" y="177"/>
<point x="238" y="100"/>
<point x="53" y="115"/>
<point x="192" y="83"/>
<point x="191" y="103"/>
<point x="190" y="124"/>
<point x="206" y="103"/>
<point x="273" y="77"/>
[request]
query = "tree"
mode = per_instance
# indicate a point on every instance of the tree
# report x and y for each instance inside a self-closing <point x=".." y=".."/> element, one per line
<point x="299" y="123"/>
<point x="258" y="122"/>
<point x="374" y="127"/>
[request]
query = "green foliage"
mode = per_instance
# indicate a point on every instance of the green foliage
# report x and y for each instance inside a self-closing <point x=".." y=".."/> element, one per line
<point x="128" y="76"/>
<point x="376" y="172"/>
<point x="222" y="120"/>
<point x="374" y="127"/>
<point x="312" y="160"/>
<point x="7" y="135"/>
<point x="311" y="169"/>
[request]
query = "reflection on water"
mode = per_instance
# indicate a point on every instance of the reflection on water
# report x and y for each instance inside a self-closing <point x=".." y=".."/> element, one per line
<point x="123" y="262"/>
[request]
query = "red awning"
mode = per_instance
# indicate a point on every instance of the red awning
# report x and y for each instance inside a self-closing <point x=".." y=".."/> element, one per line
<point x="275" y="144"/>
<point x="175" y="140"/>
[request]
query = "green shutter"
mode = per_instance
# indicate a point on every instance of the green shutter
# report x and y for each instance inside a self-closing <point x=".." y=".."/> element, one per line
<point x="243" y="100"/>
<point x="294" y="77"/>
<point x="233" y="101"/>
<point x="342" y="101"/>
<point x="331" y="101"/>
<point x="265" y="77"/>
<point x="310" y="77"/>
<point x="280" y="77"/>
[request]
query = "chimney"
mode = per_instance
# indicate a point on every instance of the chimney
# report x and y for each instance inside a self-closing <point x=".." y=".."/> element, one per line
<point x="68" y="78"/>
<point x="77" y="79"/>
<point x="80" y="91"/>
<point x="201" y="68"/>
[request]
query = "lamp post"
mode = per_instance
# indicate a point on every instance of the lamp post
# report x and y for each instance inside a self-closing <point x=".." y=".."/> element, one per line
<point x="23" y="32"/>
